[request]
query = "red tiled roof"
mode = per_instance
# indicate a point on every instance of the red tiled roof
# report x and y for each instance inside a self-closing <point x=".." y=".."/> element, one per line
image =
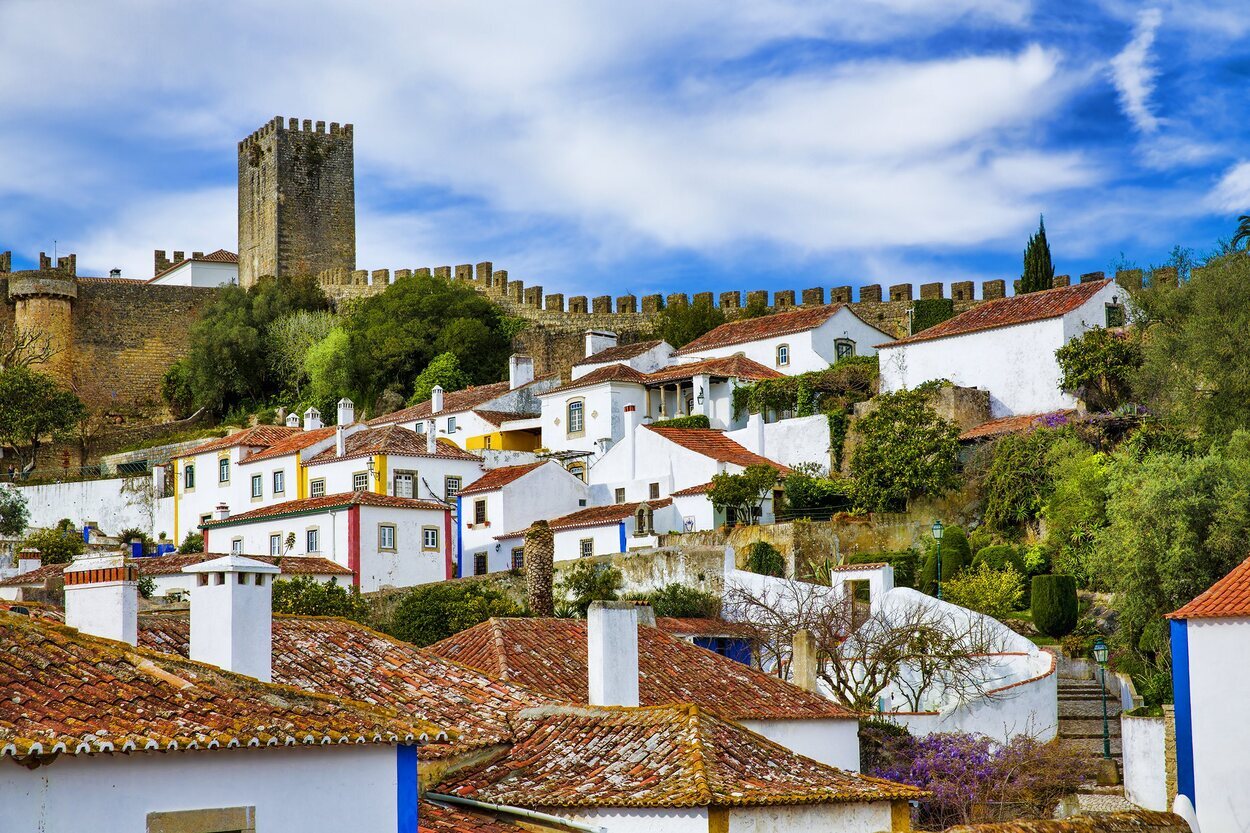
<point x="454" y="401"/>
<point x="596" y="516"/>
<point x="36" y="576"/>
<point x="165" y="565"/>
<point x="729" y="366"/>
<point x="661" y="756"/>
<point x="293" y="444"/>
<point x="258" y="436"/>
<point x="714" y="444"/>
<point x="346" y="659"/>
<point x="701" y="489"/>
<point x="324" y="503"/>
<point x="549" y="656"/>
<point x="66" y="691"/>
<point x="1228" y="598"/>
<point x="433" y="817"/>
<point x="619" y="353"/>
<point x="601" y="375"/>
<point x="389" y="439"/>
<point x="219" y="256"/>
<point x="498" y="418"/>
<point x="1006" y="312"/>
<point x="767" y="326"/>
<point x="500" y="477"/>
<point x="1132" y="821"/>
<point x="696" y="626"/>
<point x="1011" y="425"/>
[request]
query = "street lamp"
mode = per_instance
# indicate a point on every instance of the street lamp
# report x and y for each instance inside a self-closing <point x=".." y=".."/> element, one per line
<point x="937" y="536"/>
<point x="1100" y="656"/>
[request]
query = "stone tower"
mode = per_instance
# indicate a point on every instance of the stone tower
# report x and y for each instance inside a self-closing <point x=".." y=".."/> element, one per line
<point x="43" y="301"/>
<point x="297" y="200"/>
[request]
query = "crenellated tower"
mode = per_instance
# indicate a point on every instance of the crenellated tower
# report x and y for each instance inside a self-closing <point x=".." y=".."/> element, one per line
<point x="297" y="200"/>
<point x="43" y="301"/>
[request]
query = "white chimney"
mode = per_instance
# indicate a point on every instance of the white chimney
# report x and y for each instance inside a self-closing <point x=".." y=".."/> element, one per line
<point x="28" y="559"/>
<point x="232" y="615"/>
<point x="221" y="512"/>
<point x="597" y="340"/>
<point x="292" y="420"/>
<point x="436" y="399"/>
<point x="431" y="439"/>
<point x="340" y="439"/>
<point x="631" y="428"/>
<point x="102" y="597"/>
<point x="612" y="653"/>
<point x="520" y="371"/>
<point x="755" y="422"/>
<point x="312" y="419"/>
<point x="347" y="411"/>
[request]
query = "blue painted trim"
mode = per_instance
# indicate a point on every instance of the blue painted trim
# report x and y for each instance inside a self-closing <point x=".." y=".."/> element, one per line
<point x="621" y="526"/>
<point x="1179" y="631"/>
<point x="406" y="788"/>
<point x="459" y="536"/>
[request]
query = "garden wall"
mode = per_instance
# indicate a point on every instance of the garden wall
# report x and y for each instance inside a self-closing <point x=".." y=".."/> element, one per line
<point x="113" y="504"/>
<point x="1143" y="740"/>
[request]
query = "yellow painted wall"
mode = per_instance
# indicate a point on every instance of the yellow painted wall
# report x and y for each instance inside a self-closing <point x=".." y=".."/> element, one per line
<point x="379" y="466"/>
<point x="504" y="441"/>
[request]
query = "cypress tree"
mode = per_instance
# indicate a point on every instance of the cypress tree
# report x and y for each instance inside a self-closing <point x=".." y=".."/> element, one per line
<point x="1039" y="271"/>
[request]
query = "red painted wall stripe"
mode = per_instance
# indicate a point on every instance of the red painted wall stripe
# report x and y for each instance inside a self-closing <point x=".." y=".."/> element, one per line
<point x="451" y="569"/>
<point x="353" y="544"/>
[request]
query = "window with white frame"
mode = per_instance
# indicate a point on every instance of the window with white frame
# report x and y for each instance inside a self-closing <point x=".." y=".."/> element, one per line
<point x="275" y="544"/>
<point x="783" y="355"/>
<point x="360" y="481"/>
<point x="258" y="485"/>
<point x="279" y="482"/>
<point x="843" y="348"/>
<point x="429" y="537"/>
<point x="386" y="536"/>
<point x="576" y="412"/>
<point x="619" y="496"/>
<point x="223" y="470"/>
<point x="403" y="483"/>
<point x="451" y="485"/>
<point x="451" y="425"/>
<point x="586" y="547"/>
<point x="236" y="546"/>
<point x="188" y="477"/>
<point x="317" y="488"/>
<point x="312" y="540"/>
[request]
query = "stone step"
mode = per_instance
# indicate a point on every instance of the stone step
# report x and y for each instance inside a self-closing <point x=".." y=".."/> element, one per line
<point x="1092" y="746"/>
<point x="1089" y="697"/>
<point x="1086" y="708"/>
<point x="1084" y="688"/>
<point x="1087" y="726"/>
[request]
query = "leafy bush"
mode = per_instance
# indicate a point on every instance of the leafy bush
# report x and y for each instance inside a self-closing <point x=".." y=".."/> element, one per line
<point x="193" y="543"/>
<point x="681" y="324"/>
<point x="834" y="390"/>
<point x="1098" y="367"/>
<point x="881" y="744"/>
<point x="956" y="556"/>
<point x="745" y="492"/>
<point x="693" y="421"/>
<point x="431" y="612"/>
<point x="763" y="558"/>
<point x="903" y="561"/>
<point x="126" y="535"/>
<point x="1000" y="557"/>
<point x="146" y="586"/>
<point x="14" y="514"/>
<point x="177" y="391"/>
<point x="926" y="312"/>
<point x="1054" y="604"/>
<point x="56" y="546"/>
<point x="681" y="601"/>
<point x="305" y="596"/>
<point x="583" y="583"/>
<point x="905" y="450"/>
<point x="809" y="488"/>
<point x="444" y="371"/>
<point x="995" y="593"/>
<point x="1018" y="482"/>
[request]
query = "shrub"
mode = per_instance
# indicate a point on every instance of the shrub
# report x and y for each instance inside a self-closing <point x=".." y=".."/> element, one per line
<point x="305" y="596"/>
<point x="1000" y="557"/>
<point x="693" y="421"/>
<point x="14" y="514"/>
<point x="744" y="493"/>
<point x="955" y="558"/>
<point x="146" y="586"/>
<point x="905" y="450"/>
<point x="56" y="546"/>
<point x="681" y="601"/>
<point x="1018" y="482"/>
<point x="583" y="583"/>
<point x="765" y="559"/>
<point x="881" y="744"/>
<point x="1098" y="367"/>
<point x="432" y="612"/>
<point x="995" y="593"/>
<point x="903" y="561"/>
<point x="149" y="546"/>
<point x="1054" y="604"/>
<point x="809" y="487"/>
<point x="193" y="543"/>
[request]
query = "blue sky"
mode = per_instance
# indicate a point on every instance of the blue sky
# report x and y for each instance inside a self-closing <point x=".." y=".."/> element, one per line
<point x="604" y="147"/>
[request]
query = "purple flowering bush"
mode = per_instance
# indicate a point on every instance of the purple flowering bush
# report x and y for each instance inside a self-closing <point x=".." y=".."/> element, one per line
<point x="971" y="778"/>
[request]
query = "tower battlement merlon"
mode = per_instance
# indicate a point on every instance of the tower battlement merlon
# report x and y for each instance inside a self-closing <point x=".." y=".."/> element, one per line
<point x="6" y="262"/>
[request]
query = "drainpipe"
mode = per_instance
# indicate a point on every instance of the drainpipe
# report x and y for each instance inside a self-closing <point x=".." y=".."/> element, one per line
<point x="519" y="812"/>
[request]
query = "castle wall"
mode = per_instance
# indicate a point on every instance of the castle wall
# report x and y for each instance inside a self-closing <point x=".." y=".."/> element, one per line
<point x="52" y="316"/>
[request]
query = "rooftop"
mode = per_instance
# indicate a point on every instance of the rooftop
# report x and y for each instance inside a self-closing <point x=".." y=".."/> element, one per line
<point x="729" y="366"/>
<point x="219" y="256"/>
<point x="294" y="443"/>
<point x="766" y="326"/>
<point x="454" y="401"/>
<point x="433" y="817"/>
<point x="1136" y="821"/>
<point x="258" y="436"/>
<point x="389" y="439"/>
<point x="500" y="477"/>
<point x="659" y="756"/>
<point x="596" y="516"/>
<point x="549" y="656"/>
<point x="325" y="503"/>
<point x="619" y="353"/>
<point x="714" y="444"/>
<point x="1014" y="425"/>
<point x="498" y="418"/>
<point x="1226" y="599"/>
<point x="170" y="564"/>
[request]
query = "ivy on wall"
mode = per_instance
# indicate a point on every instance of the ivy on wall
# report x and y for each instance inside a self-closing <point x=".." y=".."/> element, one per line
<point x="930" y="311"/>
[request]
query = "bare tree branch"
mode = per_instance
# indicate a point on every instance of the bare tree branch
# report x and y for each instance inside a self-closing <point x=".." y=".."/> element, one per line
<point x="24" y="346"/>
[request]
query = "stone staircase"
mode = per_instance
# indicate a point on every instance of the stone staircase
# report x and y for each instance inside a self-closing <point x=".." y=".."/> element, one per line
<point x="1080" y="727"/>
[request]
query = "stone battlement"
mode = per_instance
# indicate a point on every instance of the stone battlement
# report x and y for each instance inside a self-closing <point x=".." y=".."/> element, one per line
<point x="292" y="125"/>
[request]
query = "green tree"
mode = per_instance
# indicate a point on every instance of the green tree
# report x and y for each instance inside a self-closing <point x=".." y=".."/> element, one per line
<point x="956" y="557"/>
<point x="1018" y="483"/>
<point x="14" y="515"/>
<point x="398" y="333"/>
<point x="1242" y="236"/>
<point x="1039" y="271"/>
<point x="905" y="450"/>
<point x="431" y="612"/>
<point x="1098" y="367"/>
<point x="34" y="408"/>
<point x="193" y="543"/>
<point x="585" y="582"/>
<point x="328" y="365"/>
<point x="809" y="488"/>
<point x="995" y="593"/>
<point x="56" y="546"/>
<point x="289" y="339"/>
<point x="305" y="596"/>
<point x="744" y="493"/>
<point x="445" y="372"/>
<point x="681" y="601"/>
<point x="1076" y="511"/>
<point x="1054" y="605"/>
<point x="681" y="324"/>
<point x="766" y="560"/>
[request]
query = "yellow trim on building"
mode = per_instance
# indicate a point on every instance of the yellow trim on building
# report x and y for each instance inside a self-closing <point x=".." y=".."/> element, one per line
<point x="178" y="464"/>
<point x="379" y="466"/>
<point x="503" y="441"/>
<point x="301" y="479"/>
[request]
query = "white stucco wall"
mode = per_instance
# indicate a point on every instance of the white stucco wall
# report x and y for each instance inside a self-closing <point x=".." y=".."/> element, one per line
<point x="411" y="564"/>
<point x="602" y="407"/>
<point x="200" y="273"/>
<point x="811" y="350"/>
<point x="298" y="790"/>
<point x="1145" y="777"/>
<point x="640" y="819"/>
<point x="828" y="740"/>
<point x="114" y="504"/>
<point x="789" y="441"/>
<point x="1219" y="672"/>
<point x="646" y="362"/>
<point x="332" y="529"/>
<point x="862" y="817"/>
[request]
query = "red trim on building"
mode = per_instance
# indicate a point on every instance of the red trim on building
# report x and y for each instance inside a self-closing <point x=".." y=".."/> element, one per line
<point x="451" y="569"/>
<point x="100" y="576"/>
<point x="353" y="544"/>
<point x="204" y="545"/>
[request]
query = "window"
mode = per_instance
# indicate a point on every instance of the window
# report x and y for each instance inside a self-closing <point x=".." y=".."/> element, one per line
<point x="486" y="442"/>
<point x="1115" y="315"/>
<point x="451" y="485"/>
<point x="223" y="470"/>
<point x="576" y="417"/>
<point x="312" y="540"/>
<point x="258" y="485"/>
<point x="518" y="558"/>
<point x="275" y="544"/>
<point x="644" y="520"/>
<point x="420" y="429"/>
<point x="360" y="481"/>
<point x="479" y="511"/>
<point x="402" y="485"/>
<point x="188" y="478"/>
<point x="205" y="519"/>
<point x="479" y="564"/>
<point x="386" y="537"/>
<point x="317" y="488"/>
<point x="654" y="491"/>
<point x="429" y="538"/>
<point x="236" y="546"/>
<point x="578" y="470"/>
<point x="783" y="355"/>
<point x="586" y="547"/>
<point x="620" y="495"/>
<point x="842" y="348"/>
<point x="451" y="425"/>
<point x="279" y="482"/>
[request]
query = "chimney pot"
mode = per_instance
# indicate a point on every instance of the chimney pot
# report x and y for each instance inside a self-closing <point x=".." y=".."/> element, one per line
<point x="292" y="420"/>
<point x="221" y="512"/>
<point x="431" y="438"/>
<point x="803" y="661"/>
<point x="599" y="340"/>
<point x="232" y="615"/>
<point x="108" y="608"/>
<point x="436" y="399"/>
<point x="520" y="371"/>
<point x="340" y="444"/>
<point x="612" y="652"/>
<point x="312" y="419"/>
<point x="29" y="559"/>
<point x="347" y="412"/>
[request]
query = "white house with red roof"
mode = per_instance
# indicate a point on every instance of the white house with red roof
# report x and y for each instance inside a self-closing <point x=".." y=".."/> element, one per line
<point x="799" y="341"/>
<point x="1006" y="346"/>
<point x="385" y="541"/>
<point x="602" y="350"/>
<point x="219" y="268"/>
<point x="599" y="530"/>
<point x="507" y="499"/>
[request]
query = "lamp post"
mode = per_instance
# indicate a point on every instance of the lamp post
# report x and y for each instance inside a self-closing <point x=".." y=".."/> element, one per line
<point x="1100" y="656"/>
<point x="937" y="536"/>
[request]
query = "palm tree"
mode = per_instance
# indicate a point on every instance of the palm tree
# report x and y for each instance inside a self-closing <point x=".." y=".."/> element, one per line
<point x="1243" y="232"/>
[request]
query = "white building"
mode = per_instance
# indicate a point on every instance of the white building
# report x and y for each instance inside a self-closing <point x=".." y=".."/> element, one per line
<point x="507" y="499"/>
<point x="602" y="350"/>
<point x="799" y="341"/>
<point x="385" y="541"/>
<point x="602" y="530"/>
<point x="1006" y="346"/>
<point x="219" y="268"/>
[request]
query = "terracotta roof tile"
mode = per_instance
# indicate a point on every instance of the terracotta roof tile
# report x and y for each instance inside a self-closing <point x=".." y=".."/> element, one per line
<point x="1006" y="312"/>
<point x="36" y="576"/>
<point x="66" y="691"/>
<point x="346" y="659"/>
<point x="619" y="353"/>
<point x="767" y="326"/>
<point x="258" y="436"/>
<point x="730" y="366"/>
<point x="1227" y="598"/>
<point x="323" y="503"/>
<point x="1015" y="425"/>
<point x="549" y="656"/>
<point x="389" y="439"/>
<point x="621" y="373"/>
<point x="498" y="418"/>
<point x="696" y="626"/>
<point x="454" y="401"/>
<point x="1135" y="821"/>
<point x="596" y="516"/>
<point x="701" y="489"/>
<point x="165" y="565"/>
<point x="714" y="444"/>
<point x="659" y="756"/>
<point x="442" y="818"/>
<point x="219" y="256"/>
<point x="500" y="477"/>
<point x="293" y="444"/>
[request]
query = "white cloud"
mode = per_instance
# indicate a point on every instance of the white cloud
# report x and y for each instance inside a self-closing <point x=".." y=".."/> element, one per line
<point x="1232" y="192"/>
<point x="1134" y="74"/>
